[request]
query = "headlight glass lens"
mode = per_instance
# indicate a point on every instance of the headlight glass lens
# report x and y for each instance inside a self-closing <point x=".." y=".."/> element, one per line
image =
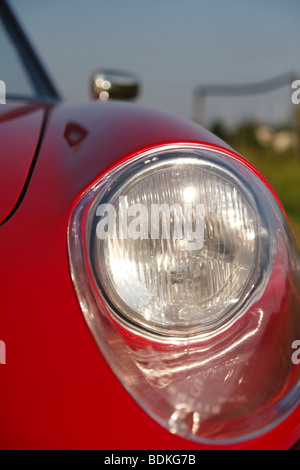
<point x="179" y="244"/>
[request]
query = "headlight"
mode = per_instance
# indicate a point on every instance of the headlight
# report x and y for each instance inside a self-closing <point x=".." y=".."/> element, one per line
<point x="181" y="259"/>
<point x="180" y="245"/>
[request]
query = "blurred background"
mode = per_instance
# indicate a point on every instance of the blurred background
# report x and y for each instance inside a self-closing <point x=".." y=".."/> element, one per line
<point x="227" y="64"/>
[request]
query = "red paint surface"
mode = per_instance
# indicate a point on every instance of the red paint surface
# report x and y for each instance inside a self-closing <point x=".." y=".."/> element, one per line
<point x="20" y="128"/>
<point x="56" y="390"/>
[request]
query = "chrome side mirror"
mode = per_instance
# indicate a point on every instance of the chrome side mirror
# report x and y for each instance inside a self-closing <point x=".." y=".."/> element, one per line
<point x="114" y="85"/>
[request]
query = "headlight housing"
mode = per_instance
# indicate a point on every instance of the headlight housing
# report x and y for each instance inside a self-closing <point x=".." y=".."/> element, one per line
<point x="182" y="260"/>
<point x="182" y="244"/>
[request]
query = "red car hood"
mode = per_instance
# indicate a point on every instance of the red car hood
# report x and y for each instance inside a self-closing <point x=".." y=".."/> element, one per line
<point x="17" y="154"/>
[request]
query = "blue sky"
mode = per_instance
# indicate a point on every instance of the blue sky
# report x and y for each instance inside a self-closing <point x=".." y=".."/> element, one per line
<point x="173" y="46"/>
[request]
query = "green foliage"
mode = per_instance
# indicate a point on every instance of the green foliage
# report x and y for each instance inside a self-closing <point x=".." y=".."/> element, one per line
<point x="280" y="168"/>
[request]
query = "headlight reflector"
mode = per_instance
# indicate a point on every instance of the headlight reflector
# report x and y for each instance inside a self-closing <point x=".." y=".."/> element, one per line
<point x="180" y="244"/>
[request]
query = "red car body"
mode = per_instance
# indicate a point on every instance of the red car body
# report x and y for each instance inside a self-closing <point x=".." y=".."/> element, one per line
<point x="56" y="389"/>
